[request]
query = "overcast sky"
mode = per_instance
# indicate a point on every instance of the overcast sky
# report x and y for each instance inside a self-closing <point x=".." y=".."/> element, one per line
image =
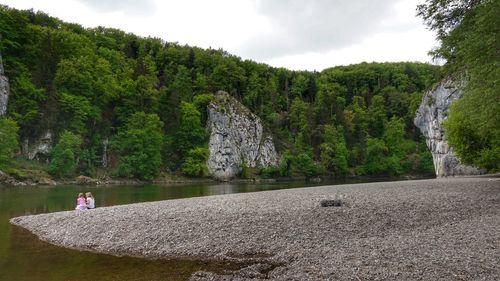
<point x="296" y="34"/>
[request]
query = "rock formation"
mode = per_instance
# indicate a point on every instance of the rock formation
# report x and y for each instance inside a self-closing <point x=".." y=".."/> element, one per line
<point x="40" y="148"/>
<point x="237" y="138"/>
<point x="429" y="119"/>
<point x="4" y="90"/>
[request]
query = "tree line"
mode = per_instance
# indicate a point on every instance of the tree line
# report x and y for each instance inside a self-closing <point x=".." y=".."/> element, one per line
<point x="146" y="99"/>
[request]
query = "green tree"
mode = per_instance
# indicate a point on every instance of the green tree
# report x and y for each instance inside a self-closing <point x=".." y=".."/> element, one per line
<point x="139" y="146"/>
<point x="190" y="133"/>
<point x="195" y="163"/>
<point x="65" y="155"/>
<point x="326" y="106"/>
<point x="182" y="84"/>
<point x="304" y="165"/>
<point x="359" y="119"/>
<point x="75" y="111"/>
<point x="8" y="140"/>
<point x="299" y="112"/>
<point x="378" y="160"/>
<point x="394" y="138"/>
<point x="377" y="117"/>
<point x="24" y="104"/>
<point x="201" y="102"/>
<point x="334" y="152"/>
<point x="340" y="167"/>
<point x="299" y="86"/>
<point x="227" y="75"/>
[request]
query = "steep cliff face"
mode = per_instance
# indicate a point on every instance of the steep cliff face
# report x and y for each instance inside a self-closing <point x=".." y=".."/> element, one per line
<point x="4" y="90"/>
<point x="38" y="149"/>
<point x="429" y="119"/>
<point x="237" y="138"/>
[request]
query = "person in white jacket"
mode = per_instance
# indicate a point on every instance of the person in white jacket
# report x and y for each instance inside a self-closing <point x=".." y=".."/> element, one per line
<point x="90" y="200"/>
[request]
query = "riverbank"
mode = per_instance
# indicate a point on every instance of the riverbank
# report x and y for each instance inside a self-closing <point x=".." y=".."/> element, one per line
<point x="41" y="178"/>
<point x="418" y="230"/>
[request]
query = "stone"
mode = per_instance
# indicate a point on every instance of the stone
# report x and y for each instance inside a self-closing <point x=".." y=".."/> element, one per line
<point x="429" y="119"/>
<point x="4" y="90"/>
<point x="331" y="203"/>
<point x="237" y="137"/>
<point x="46" y="181"/>
<point x="40" y="148"/>
<point x="84" y="180"/>
<point x="6" y="179"/>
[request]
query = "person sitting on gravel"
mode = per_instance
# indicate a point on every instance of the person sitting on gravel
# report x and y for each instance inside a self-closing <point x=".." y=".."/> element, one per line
<point x="81" y="203"/>
<point x="90" y="200"/>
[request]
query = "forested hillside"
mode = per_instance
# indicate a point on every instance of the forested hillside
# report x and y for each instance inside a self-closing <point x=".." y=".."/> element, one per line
<point x="147" y="98"/>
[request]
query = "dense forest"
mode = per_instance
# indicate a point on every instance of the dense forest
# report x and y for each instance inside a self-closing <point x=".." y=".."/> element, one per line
<point x="147" y="98"/>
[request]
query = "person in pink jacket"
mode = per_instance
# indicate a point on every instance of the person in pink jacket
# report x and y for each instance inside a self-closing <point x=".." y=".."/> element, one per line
<point x="81" y="203"/>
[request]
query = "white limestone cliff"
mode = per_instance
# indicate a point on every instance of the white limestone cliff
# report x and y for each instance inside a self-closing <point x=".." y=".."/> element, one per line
<point x="429" y="119"/>
<point x="237" y="138"/>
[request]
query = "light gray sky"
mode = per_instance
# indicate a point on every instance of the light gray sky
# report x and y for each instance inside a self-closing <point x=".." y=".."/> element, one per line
<point x="296" y="34"/>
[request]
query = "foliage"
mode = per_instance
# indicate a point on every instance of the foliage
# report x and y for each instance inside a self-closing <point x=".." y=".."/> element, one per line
<point x="305" y="166"/>
<point x="65" y="155"/>
<point x="444" y="15"/>
<point x="8" y="140"/>
<point x="378" y="160"/>
<point x="190" y="133"/>
<point x="139" y="145"/>
<point x="270" y="172"/>
<point x="195" y="163"/>
<point x="334" y="152"/>
<point x="24" y="104"/>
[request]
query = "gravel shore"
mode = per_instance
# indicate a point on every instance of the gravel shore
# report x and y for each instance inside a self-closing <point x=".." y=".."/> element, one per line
<point x="442" y="229"/>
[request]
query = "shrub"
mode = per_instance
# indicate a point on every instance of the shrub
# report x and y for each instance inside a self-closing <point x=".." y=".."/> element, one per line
<point x="195" y="164"/>
<point x="8" y="140"/>
<point x="65" y="154"/>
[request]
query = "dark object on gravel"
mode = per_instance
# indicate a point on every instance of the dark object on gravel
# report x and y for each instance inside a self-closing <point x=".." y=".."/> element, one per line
<point x="331" y="203"/>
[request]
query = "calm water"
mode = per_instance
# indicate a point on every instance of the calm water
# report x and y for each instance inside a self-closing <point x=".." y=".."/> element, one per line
<point x="24" y="257"/>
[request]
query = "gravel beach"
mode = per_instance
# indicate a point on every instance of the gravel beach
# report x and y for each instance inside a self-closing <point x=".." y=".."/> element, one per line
<point x="441" y="229"/>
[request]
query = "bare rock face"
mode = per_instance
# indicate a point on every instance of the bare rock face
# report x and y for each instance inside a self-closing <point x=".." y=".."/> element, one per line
<point x="429" y="119"/>
<point x="4" y="90"/>
<point x="237" y="138"/>
<point x="38" y="149"/>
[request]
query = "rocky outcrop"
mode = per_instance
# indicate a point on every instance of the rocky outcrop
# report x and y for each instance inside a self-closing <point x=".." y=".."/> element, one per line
<point x="84" y="180"/>
<point x="429" y="119"/>
<point x="38" y="149"/>
<point x="4" y="90"/>
<point x="6" y="179"/>
<point x="237" y="138"/>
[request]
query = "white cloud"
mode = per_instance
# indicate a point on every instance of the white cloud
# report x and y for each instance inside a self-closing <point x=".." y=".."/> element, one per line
<point x="297" y="34"/>
<point x="132" y="7"/>
<point x="380" y="47"/>
<point x="317" y="25"/>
